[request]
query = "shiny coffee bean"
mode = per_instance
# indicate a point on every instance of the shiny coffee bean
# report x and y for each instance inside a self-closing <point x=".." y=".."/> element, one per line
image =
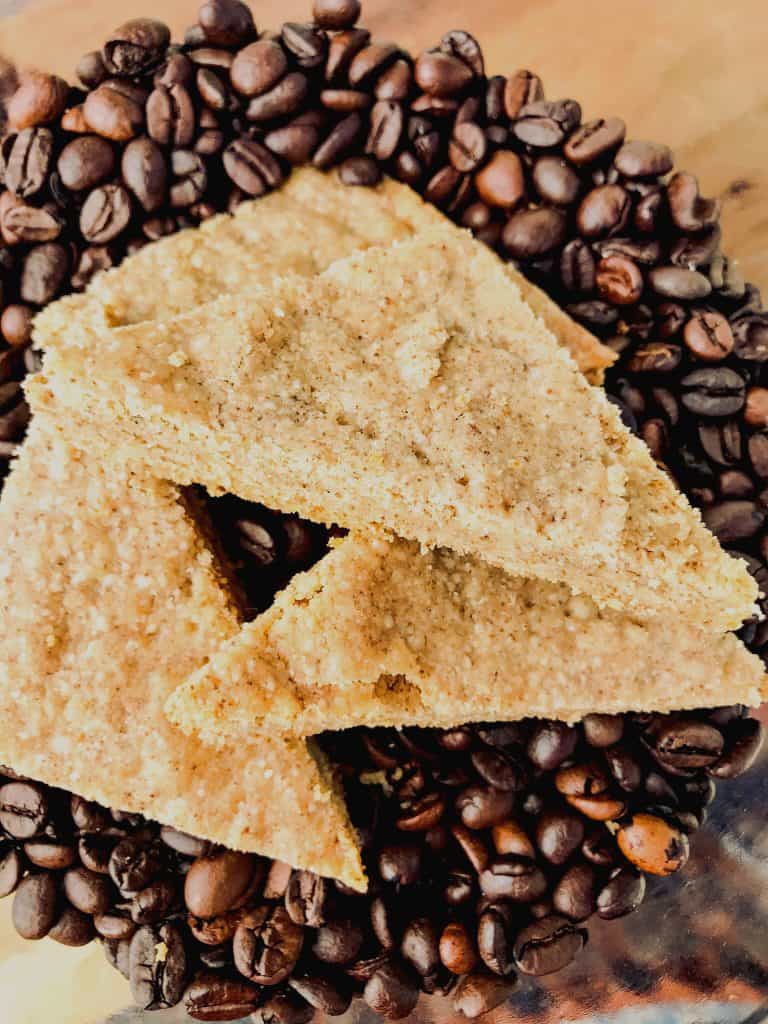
<point x="158" y="967"/>
<point x="35" y="905"/>
<point x="477" y="994"/>
<point x="211" y="997"/>
<point x="338" y="942"/>
<point x="555" y="181"/>
<point x="494" y="944"/>
<point x="688" y="744"/>
<point x="114" y="113"/>
<point x="419" y="946"/>
<point x="501" y="182"/>
<point x="329" y="996"/>
<point x="267" y="945"/>
<point x="577" y="267"/>
<point x="544" y="124"/>
<point x="391" y="992"/>
<point x="306" y="899"/>
<point x="473" y="846"/>
<point x="136" y="47"/>
<point x="220" y="882"/>
<point x="744" y="742"/>
<point x="481" y="807"/>
<point x="574" y="896"/>
<point x="513" y="878"/>
<point x="441" y="74"/>
<point x="603" y="730"/>
<point x="713" y="392"/>
<point x="226" y="22"/>
<point x="548" y="945"/>
<point x="653" y="844"/>
<point x="690" y="212"/>
<point x="135" y="862"/>
<point x="23" y="809"/>
<point x="171" y="116"/>
<point x="284" y="1007"/>
<point x="558" y="835"/>
<point x="734" y="520"/>
<point x="643" y="159"/>
<point x="584" y="780"/>
<point x="622" y="894"/>
<point x="550" y="744"/>
<point x="529" y="234"/>
<point x="509" y="837"/>
<point x="43" y="276"/>
<point x="73" y="928"/>
<point x="594" y="140"/>
<point x="619" y="280"/>
<point x="87" y="891"/>
<point x="457" y="949"/>
<point x="603" y="211"/>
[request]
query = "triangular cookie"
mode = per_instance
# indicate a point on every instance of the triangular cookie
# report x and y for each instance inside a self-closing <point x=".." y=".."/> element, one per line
<point x="410" y="387"/>
<point x="379" y="634"/>
<point x="302" y="228"/>
<point x="109" y="597"/>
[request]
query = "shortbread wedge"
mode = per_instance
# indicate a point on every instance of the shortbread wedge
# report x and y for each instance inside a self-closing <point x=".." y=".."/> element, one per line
<point x="411" y="388"/>
<point x="302" y="228"/>
<point x="110" y="596"/>
<point x="379" y="633"/>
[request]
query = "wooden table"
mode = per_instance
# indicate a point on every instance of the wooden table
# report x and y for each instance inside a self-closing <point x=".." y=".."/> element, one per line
<point x="687" y="72"/>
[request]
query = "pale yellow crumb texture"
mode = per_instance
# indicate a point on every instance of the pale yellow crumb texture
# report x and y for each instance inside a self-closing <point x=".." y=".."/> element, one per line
<point x="109" y="599"/>
<point x="380" y="633"/>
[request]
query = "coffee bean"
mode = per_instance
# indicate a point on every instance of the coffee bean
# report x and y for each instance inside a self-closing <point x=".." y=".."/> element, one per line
<point x="394" y="83"/>
<point x="481" y="807"/>
<point x="477" y="994"/>
<point x="220" y="882"/>
<point x="400" y="863"/>
<point x="594" y="140"/>
<point x="467" y="147"/>
<point x="134" y="863"/>
<point x="338" y="942"/>
<point x="577" y="267"/>
<point x="532" y="233"/>
<point x="521" y="90"/>
<point x="734" y="520"/>
<point x="459" y="888"/>
<point x="321" y="992"/>
<point x="548" y="945"/>
<point x="282" y="99"/>
<point x="643" y="159"/>
<point x="296" y="141"/>
<point x="555" y="181"/>
<point x="251" y="167"/>
<point x="39" y="99"/>
<point x="574" y="896"/>
<point x="679" y="283"/>
<point x="258" y="67"/>
<point x="493" y="939"/>
<point x="690" y="212"/>
<point x="284" y="1007"/>
<point x="688" y="744"/>
<point x="385" y="922"/>
<point x="603" y="730"/>
<point x="441" y="74"/>
<point x="114" y="926"/>
<point x="501" y="182"/>
<point x="118" y="955"/>
<point x="653" y="844"/>
<point x="16" y="324"/>
<point x="457" y="949"/>
<point x="335" y="14"/>
<point x="622" y="894"/>
<point x="85" y="162"/>
<point x="758" y="453"/>
<point x="419" y="946"/>
<point x="386" y="129"/>
<point x="90" y="69"/>
<point x="756" y="407"/>
<point x="473" y="846"/>
<point x="73" y="928"/>
<point x="144" y="171"/>
<point x="558" y="835"/>
<point x="306" y="899"/>
<point x="105" y="214"/>
<point x="113" y="113"/>
<point x="339" y="142"/>
<point x="713" y="392"/>
<point x="619" y="280"/>
<point x="603" y="211"/>
<point x="309" y="45"/>
<point x="500" y="770"/>
<point x="226" y="22"/>
<point x="391" y="991"/>
<point x="136" y="47"/>
<point x="750" y="335"/>
<point x="11" y="868"/>
<point x="211" y="997"/>
<point x="342" y="49"/>
<point x="191" y="178"/>
<point x="152" y="904"/>
<point x="87" y="891"/>
<point x="744" y="741"/>
<point x="550" y="744"/>
<point x="50" y="855"/>
<point x="267" y="945"/>
<point x="28" y="161"/>
<point x="92" y="261"/>
<point x="543" y="124"/>
<point x="35" y="905"/>
<point x="708" y="335"/>
<point x="177" y="69"/>
<point x="583" y="780"/>
<point x="158" y="967"/>
<point x="513" y="878"/>
<point x="171" y="116"/>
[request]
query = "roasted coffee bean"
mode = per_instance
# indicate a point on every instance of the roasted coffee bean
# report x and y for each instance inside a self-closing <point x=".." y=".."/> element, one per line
<point x="555" y="181"/>
<point x="211" y="997"/>
<point x="11" y="868"/>
<point x="622" y="894"/>
<point x="226" y="22"/>
<point x="419" y="946"/>
<point x="441" y="74"/>
<point x="342" y="49"/>
<point x="327" y="995"/>
<point x="477" y="994"/>
<point x="420" y="814"/>
<point x="603" y="730"/>
<point x="90" y="69"/>
<point x="221" y="882"/>
<point x="501" y="182"/>
<point x="472" y="845"/>
<point x="603" y="211"/>
<point x="267" y="945"/>
<point x="181" y="842"/>
<point x="214" y="931"/>
<point x="467" y="147"/>
<point x="386" y="121"/>
<point x="643" y="159"/>
<point x="118" y="955"/>
<point x="509" y="837"/>
<point x="171" y="116"/>
<point x="336" y="14"/>
<point x="577" y="267"/>
<point x="309" y="45"/>
<point x="744" y="741"/>
<point x="758" y="453"/>
<point x="85" y="162"/>
<point x="559" y="834"/>
<point x="39" y="99"/>
<point x="114" y="113"/>
<point x="481" y="807"/>
<point x="679" y="283"/>
<point x="493" y="939"/>
<point x="690" y="212"/>
<point x="306" y="899"/>
<point x="734" y="520"/>
<point x="35" y="905"/>
<point x="619" y="280"/>
<point x="459" y="888"/>
<point x="688" y="744"/>
<point x="114" y="926"/>
<point x="134" y="863"/>
<point x="698" y="251"/>
<point x="544" y="124"/>
<point x="499" y="770"/>
<point x="73" y="928"/>
<point x="574" y="896"/>
<point x="153" y="903"/>
<point x="529" y="234"/>
<point x="594" y="140"/>
<point x="158" y="967"/>
<point x="176" y="70"/>
<point x="28" y="162"/>
<point x="391" y="991"/>
<point x="338" y="942"/>
<point x="297" y="140"/>
<point x="586" y="780"/>
<point x="457" y="949"/>
<point x="258" y="67"/>
<point x="49" y="854"/>
<point x="213" y="92"/>
<point x="653" y="844"/>
<point x="756" y="407"/>
<point x="106" y="213"/>
<point x="513" y="878"/>
<point x="713" y="392"/>
<point x="284" y="1007"/>
<point x="16" y="324"/>
<point x="385" y="922"/>
<point x="599" y="849"/>
<point x="281" y="100"/>
<point x="87" y="891"/>
<point x="550" y="744"/>
<point x="191" y="178"/>
<point x="23" y="809"/>
<point x="548" y="945"/>
<point x="252" y="167"/>
<point x="145" y="171"/>
<point x="136" y="47"/>
<point x="708" y="335"/>
<point x="624" y="767"/>
<point x="400" y="863"/>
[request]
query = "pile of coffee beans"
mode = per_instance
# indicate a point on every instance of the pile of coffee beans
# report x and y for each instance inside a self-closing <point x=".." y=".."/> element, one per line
<point x="488" y="847"/>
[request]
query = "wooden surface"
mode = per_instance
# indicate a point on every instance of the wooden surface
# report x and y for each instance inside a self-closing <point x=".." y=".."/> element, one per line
<point x="691" y="73"/>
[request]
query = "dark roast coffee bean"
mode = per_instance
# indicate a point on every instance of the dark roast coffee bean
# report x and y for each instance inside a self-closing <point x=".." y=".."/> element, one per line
<point x="252" y="167"/>
<point x="594" y="140"/>
<point x="105" y="214"/>
<point x="136" y="47"/>
<point x="114" y="113"/>
<point x="171" y="116"/>
<point x="510" y="837"/>
<point x="689" y="210"/>
<point x="73" y="928"/>
<point x="498" y="769"/>
<point x="328" y="996"/>
<point x="338" y="942"/>
<point x="284" y="1007"/>
<point x="758" y="453"/>
<point x="90" y="69"/>
<point x="220" y="882"/>
<point x="29" y="161"/>
<point x="544" y="124"/>
<point x="756" y="407"/>
<point x="308" y="44"/>
<point x="267" y="945"/>
<point x="391" y="991"/>
<point x="713" y="392"/>
<point x="421" y="813"/>
<point x="87" y="891"/>
<point x="457" y="949"/>
<point x="386" y="121"/>
<point x="679" y="283"/>
<point x="493" y="939"/>
<point x="400" y="863"/>
<point x="481" y="807"/>
<point x="211" y="997"/>
<point x="114" y="926"/>
<point x="134" y="863"/>
<point x="85" y="162"/>
<point x="118" y="955"/>
<point x="467" y="147"/>
<point x="11" y="868"/>
<point x="501" y="182"/>
<point x="548" y="945"/>
<point x="226" y="22"/>
<point x="574" y="896"/>
<point x="477" y="994"/>
<point x="744" y="742"/>
<point x="603" y="730"/>
<point x="550" y="744"/>
<point x="734" y="520"/>
<point x="191" y="178"/>
<point x="643" y="160"/>
<point x="558" y="835"/>
<point x="708" y="335"/>
<point x="297" y="140"/>
<point x="419" y="946"/>
<point x="158" y="967"/>
<point x="35" y="905"/>
<point x="513" y="878"/>
<point x="555" y="181"/>
<point x="258" y="67"/>
<point x="532" y="233"/>
<point x="619" y="280"/>
<point x="145" y="172"/>
<point x="688" y="744"/>
<point x="622" y="894"/>
<point x="23" y="809"/>
<point x="459" y="888"/>
<point x="583" y="780"/>
<point x="306" y="899"/>
<point x="577" y="267"/>
<point x="153" y="903"/>
<point x="441" y="74"/>
<point x="603" y="211"/>
<point x="39" y="99"/>
<point x="653" y="844"/>
<point x="336" y="14"/>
